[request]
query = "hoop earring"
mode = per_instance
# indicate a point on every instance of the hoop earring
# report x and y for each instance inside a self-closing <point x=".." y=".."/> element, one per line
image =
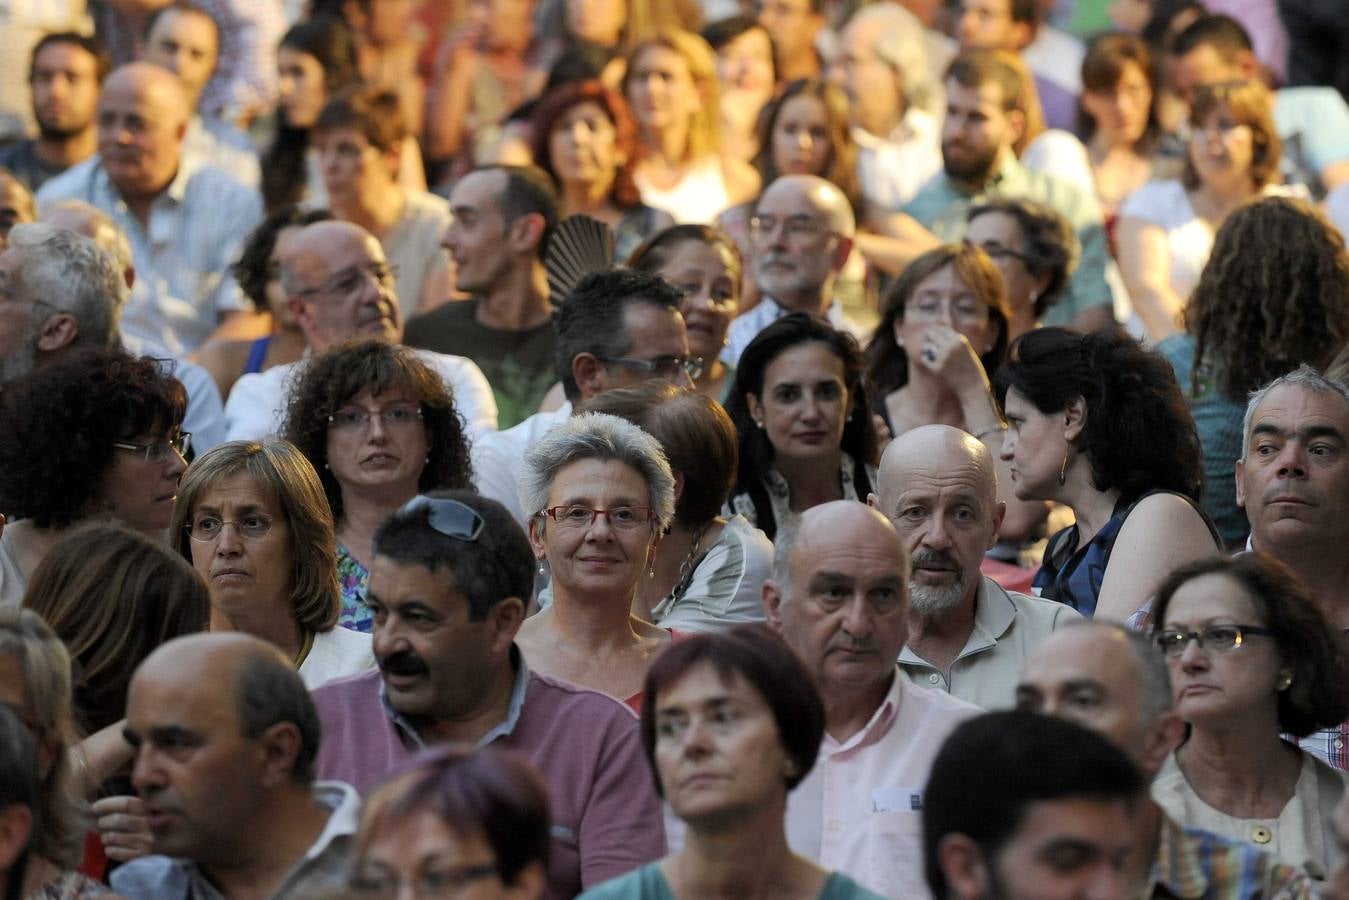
<point x="1063" y="470"/>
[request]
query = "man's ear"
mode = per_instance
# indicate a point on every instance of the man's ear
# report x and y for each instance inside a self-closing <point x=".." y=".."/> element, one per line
<point x="58" y="331"/>
<point x="589" y="374"/>
<point x="772" y="605"/>
<point x="873" y="501"/>
<point x="1075" y="418"/>
<point x="963" y="865"/>
<point x="524" y="234"/>
<point x="841" y="253"/>
<point x="1164" y="736"/>
<point x="505" y="619"/>
<point x="1016" y="126"/>
<point x="280" y="747"/>
<point x="1241" y="484"/>
<point x="999" y="513"/>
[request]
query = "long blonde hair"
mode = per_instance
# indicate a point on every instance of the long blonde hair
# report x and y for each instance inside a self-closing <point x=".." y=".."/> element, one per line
<point x="704" y="128"/>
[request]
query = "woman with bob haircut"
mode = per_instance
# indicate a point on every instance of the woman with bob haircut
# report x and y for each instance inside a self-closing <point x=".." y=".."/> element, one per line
<point x="586" y="139"/>
<point x="599" y="495"/>
<point x="253" y="521"/>
<point x="112" y="596"/>
<point x="709" y="568"/>
<point x="1098" y="423"/>
<point x="96" y="434"/>
<point x="482" y="814"/>
<point x="731" y="723"/>
<point x="1273" y="296"/>
<point x="704" y="265"/>
<point x="36" y="685"/>
<point x="379" y="426"/>
<point x="943" y="331"/>
<point x="671" y="84"/>
<point x="1166" y="228"/>
<point x="1253" y="657"/>
<point x="1034" y="248"/>
<point x="803" y="423"/>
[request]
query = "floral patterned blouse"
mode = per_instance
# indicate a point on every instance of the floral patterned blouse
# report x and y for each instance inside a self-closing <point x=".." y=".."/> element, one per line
<point x="352" y="578"/>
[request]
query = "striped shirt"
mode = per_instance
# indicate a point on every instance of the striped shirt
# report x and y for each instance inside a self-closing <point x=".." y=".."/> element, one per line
<point x="1192" y="863"/>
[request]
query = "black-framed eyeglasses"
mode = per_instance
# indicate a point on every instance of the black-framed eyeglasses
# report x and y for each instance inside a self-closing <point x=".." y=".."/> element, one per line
<point x="250" y="526"/>
<point x="450" y="517"/>
<point x="667" y="367"/>
<point x="1212" y="637"/>
<point x="446" y="882"/>
<point x="161" y="452"/>
<point x="792" y="226"/>
<point x="392" y="417"/>
<point x="621" y="518"/>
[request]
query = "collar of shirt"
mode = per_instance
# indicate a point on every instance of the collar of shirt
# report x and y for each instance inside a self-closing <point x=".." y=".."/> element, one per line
<point x="502" y="728"/>
<point x="882" y="720"/>
<point x="915" y="124"/>
<point x="1010" y="178"/>
<point x="345" y="819"/>
<point x="176" y="190"/>
<point x="994" y="613"/>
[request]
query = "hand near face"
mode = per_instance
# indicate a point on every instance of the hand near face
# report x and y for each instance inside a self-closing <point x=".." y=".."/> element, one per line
<point x="948" y="355"/>
<point x="121" y="825"/>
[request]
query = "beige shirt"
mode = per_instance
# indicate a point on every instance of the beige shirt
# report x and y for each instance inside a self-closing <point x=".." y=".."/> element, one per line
<point x="1302" y="835"/>
<point x="1007" y="627"/>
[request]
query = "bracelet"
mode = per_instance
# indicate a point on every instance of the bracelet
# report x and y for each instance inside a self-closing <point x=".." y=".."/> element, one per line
<point x="985" y="432"/>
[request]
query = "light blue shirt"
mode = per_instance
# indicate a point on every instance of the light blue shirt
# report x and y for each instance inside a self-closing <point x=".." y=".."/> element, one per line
<point x="196" y="228"/>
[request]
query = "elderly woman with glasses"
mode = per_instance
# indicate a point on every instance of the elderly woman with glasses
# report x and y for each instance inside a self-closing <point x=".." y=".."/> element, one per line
<point x="253" y="521"/>
<point x="97" y="434"/>
<point x="600" y="494"/>
<point x="1253" y="658"/>
<point x="379" y="426"/>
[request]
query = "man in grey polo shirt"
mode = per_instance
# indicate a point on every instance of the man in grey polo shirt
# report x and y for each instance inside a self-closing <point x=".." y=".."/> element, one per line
<point x="225" y="736"/>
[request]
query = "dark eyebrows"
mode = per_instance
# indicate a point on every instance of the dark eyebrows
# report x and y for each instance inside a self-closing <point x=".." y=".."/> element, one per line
<point x="1319" y="431"/>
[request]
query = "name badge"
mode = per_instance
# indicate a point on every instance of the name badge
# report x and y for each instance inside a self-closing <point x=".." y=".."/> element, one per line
<point x="897" y="799"/>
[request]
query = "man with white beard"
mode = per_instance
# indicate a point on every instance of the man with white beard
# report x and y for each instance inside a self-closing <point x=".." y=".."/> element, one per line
<point x="967" y="635"/>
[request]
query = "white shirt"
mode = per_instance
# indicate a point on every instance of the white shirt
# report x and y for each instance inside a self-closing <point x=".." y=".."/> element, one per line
<point x="892" y="169"/>
<point x="498" y="456"/>
<point x="746" y="327"/>
<point x="336" y="654"/>
<point x="257" y="404"/>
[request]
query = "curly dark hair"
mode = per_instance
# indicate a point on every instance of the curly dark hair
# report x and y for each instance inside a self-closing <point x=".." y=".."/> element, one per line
<point x="1312" y="646"/>
<point x="331" y="378"/>
<point x="61" y="422"/>
<point x="887" y="363"/>
<point x="840" y="167"/>
<point x="1138" y="433"/>
<point x="1274" y="295"/>
<point x="1051" y="243"/>
<point x="255" y="260"/>
<point x="756" y="452"/>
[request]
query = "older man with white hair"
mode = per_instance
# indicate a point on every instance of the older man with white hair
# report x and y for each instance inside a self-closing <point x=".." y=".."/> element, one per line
<point x="801" y="234"/>
<point x="967" y="634"/>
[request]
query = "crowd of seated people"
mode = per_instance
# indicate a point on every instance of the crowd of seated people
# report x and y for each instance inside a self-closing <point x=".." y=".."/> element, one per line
<point x="704" y="449"/>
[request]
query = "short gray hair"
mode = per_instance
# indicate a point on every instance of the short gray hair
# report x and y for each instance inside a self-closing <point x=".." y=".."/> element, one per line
<point x="1153" y="674"/>
<point x="73" y="274"/>
<point x="603" y="437"/>
<point x="1305" y="377"/>
<point x="901" y="44"/>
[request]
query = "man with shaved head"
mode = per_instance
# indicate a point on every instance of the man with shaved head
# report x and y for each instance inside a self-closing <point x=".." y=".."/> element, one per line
<point x="225" y="737"/>
<point x="1115" y="682"/>
<point x="186" y="222"/>
<point x="340" y="287"/>
<point x="967" y="635"/>
<point x="800" y="236"/>
<point x="839" y="597"/>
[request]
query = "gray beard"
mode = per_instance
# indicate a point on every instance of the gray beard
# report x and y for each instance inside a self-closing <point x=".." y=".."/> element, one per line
<point x="927" y="600"/>
<point x="22" y="361"/>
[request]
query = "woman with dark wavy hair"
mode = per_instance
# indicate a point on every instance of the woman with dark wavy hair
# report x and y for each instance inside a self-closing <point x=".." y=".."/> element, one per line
<point x="97" y="434"/>
<point x="585" y="137"/>
<point x="1273" y="296"/>
<point x="803" y="422"/>
<point x="1097" y="423"/>
<point x="379" y="427"/>
<point x="1253" y="657"/>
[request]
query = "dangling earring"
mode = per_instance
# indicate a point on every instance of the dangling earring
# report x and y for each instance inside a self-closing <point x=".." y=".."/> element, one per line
<point x="1063" y="470"/>
<point x="543" y="568"/>
<point x="1285" y="681"/>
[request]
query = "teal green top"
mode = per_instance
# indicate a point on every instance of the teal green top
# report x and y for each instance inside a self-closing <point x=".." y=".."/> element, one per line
<point x="648" y="883"/>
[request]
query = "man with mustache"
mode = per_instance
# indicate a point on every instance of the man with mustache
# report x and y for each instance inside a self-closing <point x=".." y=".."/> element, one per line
<point x="801" y="234"/>
<point x="1293" y="482"/>
<point x="979" y="135"/>
<point x="340" y="287"/>
<point x="967" y="635"/>
<point x="839" y="597"/>
<point x="451" y="576"/>
<point x="224" y="736"/>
